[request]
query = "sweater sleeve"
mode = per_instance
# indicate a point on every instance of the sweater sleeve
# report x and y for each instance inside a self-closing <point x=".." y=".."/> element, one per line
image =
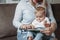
<point x="51" y="16"/>
<point x="18" y="16"/>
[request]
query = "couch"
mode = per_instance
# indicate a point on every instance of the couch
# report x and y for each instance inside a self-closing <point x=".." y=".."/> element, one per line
<point x="8" y="31"/>
<point x="56" y="12"/>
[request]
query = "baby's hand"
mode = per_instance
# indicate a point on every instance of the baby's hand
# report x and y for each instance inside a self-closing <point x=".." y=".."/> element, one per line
<point x="46" y="24"/>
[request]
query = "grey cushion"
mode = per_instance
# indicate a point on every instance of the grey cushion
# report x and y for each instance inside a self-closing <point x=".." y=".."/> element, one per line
<point x="6" y="17"/>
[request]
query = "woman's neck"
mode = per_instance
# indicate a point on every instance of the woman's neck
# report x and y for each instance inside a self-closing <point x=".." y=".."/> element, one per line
<point x="32" y="3"/>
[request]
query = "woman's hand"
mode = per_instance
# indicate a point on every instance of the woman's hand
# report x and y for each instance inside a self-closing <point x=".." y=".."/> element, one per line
<point x="47" y="31"/>
<point x="24" y="26"/>
<point x="27" y="26"/>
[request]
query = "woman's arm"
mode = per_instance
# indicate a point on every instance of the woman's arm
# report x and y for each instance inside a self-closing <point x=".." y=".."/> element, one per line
<point x="18" y="16"/>
<point x="51" y="17"/>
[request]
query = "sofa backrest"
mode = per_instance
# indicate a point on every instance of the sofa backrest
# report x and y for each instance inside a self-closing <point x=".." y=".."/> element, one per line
<point x="6" y="17"/>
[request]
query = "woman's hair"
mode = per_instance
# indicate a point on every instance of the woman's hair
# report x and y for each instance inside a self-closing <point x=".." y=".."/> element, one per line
<point x="45" y="3"/>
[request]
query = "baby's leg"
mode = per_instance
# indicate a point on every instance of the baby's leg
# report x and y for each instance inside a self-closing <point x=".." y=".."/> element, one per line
<point x="30" y="36"/>
<point x="38" y="36"/>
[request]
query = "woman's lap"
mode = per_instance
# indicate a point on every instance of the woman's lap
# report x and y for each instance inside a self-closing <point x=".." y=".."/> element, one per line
<point x="23" y="36"/>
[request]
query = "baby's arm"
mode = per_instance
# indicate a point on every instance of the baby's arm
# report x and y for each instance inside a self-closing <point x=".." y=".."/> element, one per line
<point x="47" y="25"/>
<point x="47" y="22"/>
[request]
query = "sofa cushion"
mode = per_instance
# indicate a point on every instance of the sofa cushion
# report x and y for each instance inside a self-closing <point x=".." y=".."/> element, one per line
<point x="9" y="38"/>
<point x="6" y="17"/>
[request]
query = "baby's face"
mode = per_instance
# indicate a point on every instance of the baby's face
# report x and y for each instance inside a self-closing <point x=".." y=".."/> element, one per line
<point x="39" y="14"/>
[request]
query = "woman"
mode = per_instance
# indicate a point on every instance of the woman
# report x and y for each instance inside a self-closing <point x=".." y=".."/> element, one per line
<point x="24" y="15"/>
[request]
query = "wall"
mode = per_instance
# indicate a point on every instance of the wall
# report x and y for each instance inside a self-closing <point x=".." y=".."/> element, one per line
<point x="13" y="1"/>
<point x="56" y="1"/>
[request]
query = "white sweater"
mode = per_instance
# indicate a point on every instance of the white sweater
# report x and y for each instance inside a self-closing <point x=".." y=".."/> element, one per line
<point x="40" y="24"/>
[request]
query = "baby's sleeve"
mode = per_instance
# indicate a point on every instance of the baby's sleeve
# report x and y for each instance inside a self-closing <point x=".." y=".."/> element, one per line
<point x="47" y="19"/>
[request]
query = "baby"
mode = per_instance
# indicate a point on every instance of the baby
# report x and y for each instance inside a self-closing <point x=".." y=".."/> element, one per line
<point x="40" y="23"/>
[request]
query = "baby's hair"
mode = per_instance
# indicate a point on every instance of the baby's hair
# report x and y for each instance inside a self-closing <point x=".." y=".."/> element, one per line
<point x="40" y="9"/>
